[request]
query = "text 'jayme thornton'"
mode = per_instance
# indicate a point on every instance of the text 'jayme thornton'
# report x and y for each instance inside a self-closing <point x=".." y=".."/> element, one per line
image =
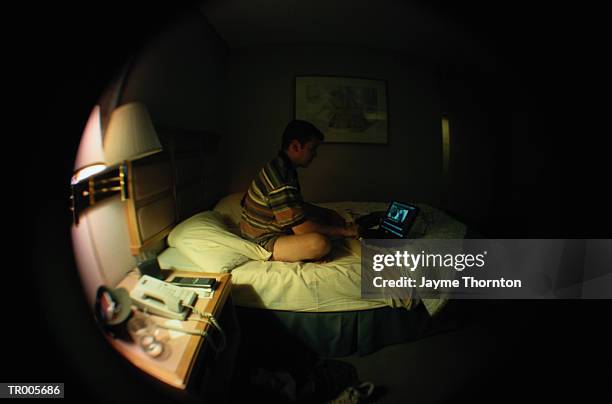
<point x="466" y="282"/>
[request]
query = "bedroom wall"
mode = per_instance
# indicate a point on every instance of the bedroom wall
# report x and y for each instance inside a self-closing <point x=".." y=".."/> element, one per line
<point x="503" y="175"/>
<point x="180" y="78"/>
<point x="477" y="128"/>
<point x="260" y="102"/>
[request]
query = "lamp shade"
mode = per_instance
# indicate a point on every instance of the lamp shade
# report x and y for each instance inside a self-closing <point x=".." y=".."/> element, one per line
<point x="130" y="134"/>
<point x="90" y="155"/>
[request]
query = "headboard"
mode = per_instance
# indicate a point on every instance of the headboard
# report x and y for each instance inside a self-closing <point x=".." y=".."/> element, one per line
<point x="170" y="186"/>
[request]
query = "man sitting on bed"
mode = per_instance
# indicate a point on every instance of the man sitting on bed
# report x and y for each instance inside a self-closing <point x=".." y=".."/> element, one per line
<point x="275" y="216"/>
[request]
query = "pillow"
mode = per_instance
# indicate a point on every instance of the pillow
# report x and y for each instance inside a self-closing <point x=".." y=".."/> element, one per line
<point x="230" y="208"/>
<point x="205" y="240"/>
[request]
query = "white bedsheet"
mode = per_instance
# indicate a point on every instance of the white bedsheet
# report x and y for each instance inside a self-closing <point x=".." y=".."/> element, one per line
<point x="334" y="285"/>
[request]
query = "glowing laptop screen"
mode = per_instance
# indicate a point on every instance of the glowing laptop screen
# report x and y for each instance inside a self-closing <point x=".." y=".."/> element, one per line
<point x="398" y="219"/>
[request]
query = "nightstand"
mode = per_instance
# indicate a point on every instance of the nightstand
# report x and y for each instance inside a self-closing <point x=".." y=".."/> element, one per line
<point x="189" y="363"/>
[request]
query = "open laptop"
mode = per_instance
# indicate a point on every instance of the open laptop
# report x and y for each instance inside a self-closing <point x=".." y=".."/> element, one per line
<point x="396" y="222"/>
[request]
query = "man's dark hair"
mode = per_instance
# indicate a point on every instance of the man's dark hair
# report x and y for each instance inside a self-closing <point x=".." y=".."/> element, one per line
<point x="301" y="131"/>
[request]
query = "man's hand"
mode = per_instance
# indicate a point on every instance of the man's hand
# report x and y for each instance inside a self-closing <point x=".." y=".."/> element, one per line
<point x="351" y="230"/>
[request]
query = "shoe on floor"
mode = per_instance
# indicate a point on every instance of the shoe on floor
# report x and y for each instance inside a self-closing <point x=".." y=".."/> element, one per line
<point x="354" y="394"/>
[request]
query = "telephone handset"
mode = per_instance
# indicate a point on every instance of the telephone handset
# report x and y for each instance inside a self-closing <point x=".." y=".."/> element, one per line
<point x="161" y="298"/>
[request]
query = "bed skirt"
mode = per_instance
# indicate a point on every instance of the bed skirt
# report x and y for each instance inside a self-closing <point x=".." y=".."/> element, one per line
<point x="332" y="334"/>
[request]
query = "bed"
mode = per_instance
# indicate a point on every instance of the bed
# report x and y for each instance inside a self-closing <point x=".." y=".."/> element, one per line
<point x="317" y="303"/>
<point x="330" y="288"/>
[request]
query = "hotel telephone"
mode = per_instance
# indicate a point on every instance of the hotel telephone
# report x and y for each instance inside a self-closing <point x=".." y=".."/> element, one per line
<point x="161" y="298"/>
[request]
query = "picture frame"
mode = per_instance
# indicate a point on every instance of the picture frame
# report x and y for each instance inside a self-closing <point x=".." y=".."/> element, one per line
<point x="345" y="109"/>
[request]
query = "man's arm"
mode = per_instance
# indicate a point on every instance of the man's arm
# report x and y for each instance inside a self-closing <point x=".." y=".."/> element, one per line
<point x="323" y="215"/>
<point x="310" y="226"/>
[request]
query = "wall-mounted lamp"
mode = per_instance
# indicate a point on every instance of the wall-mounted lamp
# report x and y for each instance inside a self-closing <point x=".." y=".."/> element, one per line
<point x="130" y="135"/>
<point x="98" y="187"/>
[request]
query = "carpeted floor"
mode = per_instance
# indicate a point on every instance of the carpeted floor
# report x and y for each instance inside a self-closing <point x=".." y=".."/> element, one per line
<point x="500" y="352"/>
<point x="431" y="370"/>
<point x="513" y="352"/>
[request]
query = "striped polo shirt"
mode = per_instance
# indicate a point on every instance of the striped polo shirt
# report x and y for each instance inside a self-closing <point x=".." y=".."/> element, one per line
<point x="273" y="203"/>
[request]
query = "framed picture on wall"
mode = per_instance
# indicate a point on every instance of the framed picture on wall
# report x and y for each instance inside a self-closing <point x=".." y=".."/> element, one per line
<point x="345" y="109"/>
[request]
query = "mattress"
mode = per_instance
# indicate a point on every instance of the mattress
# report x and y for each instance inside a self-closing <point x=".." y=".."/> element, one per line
<point x="327" y="286"/>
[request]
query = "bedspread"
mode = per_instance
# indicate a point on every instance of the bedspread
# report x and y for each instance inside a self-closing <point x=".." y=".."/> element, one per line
<point x="333" y="284"/>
